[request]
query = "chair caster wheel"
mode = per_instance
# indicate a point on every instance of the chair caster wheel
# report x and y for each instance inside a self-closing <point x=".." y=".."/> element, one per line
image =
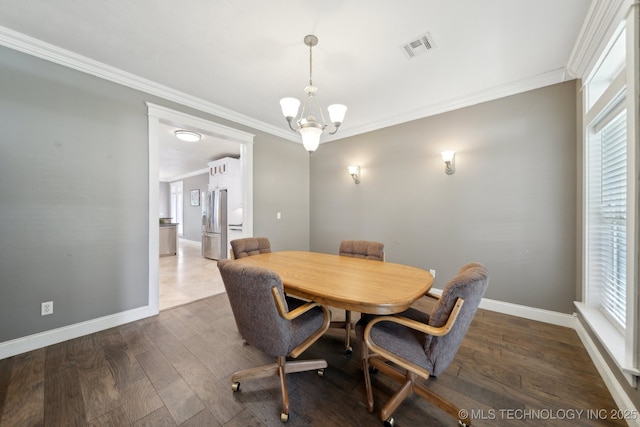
<point x="320" y="372"/>
<point x="348" y="351"/>
<point x="462" y="423"/>
<point x="284" y="417"/>
<point x="389" y="422"/>
<point x="235" y="387"/>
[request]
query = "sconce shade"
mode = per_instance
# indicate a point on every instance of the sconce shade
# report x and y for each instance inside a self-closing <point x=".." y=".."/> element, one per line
<point x="354" y="171"/>
<point x="449" y="158"/>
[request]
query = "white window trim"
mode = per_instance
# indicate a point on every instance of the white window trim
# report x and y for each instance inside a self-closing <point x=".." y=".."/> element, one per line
<point x="633" y="135"/>
<point x="610" y="338"/>
<point x="622" y="348"/>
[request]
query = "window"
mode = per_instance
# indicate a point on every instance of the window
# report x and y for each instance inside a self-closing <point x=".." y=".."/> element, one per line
<point x="607" y="217"/>
<point x="608" y="69"/>
<point x="610" y="233"/>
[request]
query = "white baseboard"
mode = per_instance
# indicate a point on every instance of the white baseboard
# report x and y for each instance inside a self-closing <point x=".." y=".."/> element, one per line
<point x="625" y="405"/>
<point x="546" y="316"/>
<point x="54" y="336"/>
<point x="43" y="339"/>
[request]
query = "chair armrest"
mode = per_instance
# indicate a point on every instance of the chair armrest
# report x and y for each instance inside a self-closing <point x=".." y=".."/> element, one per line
<point x="419" y="326"/>
<point x="413" y="324"/>
<point x="290" y="315"/>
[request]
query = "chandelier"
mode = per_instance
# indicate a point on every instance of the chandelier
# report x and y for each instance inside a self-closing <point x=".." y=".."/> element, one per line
<point x="307" y="123"/>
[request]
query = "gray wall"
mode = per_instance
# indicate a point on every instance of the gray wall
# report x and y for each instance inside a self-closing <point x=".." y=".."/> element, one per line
<point x="511" y="203"/>
<point x="74" y="194"/>
<point x="74" y="204"/>
<point x="192" y="215"/>
<point x="281" y="184"/>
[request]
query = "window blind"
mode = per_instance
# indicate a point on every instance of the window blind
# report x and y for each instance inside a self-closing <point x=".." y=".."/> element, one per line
<point x="607" y="230"/>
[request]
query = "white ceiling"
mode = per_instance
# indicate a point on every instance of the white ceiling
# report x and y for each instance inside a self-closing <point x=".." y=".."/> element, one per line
<point x="178" y="158"/>
<point x="244" y="55"/>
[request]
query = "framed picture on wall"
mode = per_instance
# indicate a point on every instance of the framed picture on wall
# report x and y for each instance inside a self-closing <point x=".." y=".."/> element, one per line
<point x="195" y="197"/>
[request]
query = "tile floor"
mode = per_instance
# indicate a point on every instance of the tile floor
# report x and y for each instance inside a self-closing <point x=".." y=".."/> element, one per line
<point x="187" y="276"/>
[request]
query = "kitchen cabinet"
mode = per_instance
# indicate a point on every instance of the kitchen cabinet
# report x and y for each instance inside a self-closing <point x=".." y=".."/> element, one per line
<point x="168" y="239"/>
<point x="225" y="173"/>
<point x="233" y="234"/>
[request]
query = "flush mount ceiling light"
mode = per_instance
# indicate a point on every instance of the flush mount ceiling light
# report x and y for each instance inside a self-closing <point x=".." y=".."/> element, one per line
<point x="187" y="135"/>
<point x="309" y="128"/>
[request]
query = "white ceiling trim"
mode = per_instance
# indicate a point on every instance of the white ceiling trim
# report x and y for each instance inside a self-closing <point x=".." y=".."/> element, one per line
<point x="38" y="48"/>
<point x="186" y="175"/>
<point x="604" y="17"/>
<point x="535" y="82"/>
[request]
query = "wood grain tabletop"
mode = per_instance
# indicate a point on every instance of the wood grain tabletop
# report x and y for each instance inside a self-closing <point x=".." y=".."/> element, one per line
<point x="356" y="284"/>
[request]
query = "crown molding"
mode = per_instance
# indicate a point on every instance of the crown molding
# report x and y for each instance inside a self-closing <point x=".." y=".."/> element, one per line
<point x="38" y="48"/>
<point x="186" y="175"/>
<point x="43" y="50"/>
<point x="491" y="94"/>
<point x="603" y="19"/>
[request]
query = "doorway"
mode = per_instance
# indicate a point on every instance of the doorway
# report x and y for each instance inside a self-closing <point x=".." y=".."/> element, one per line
<point x="157" y="115"/>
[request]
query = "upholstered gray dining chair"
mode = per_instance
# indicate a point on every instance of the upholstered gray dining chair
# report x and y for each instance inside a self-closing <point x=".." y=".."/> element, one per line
<point x="248" y="246"/>
<point x="358" y="249"/>
<point x="274" y="325"/>
<point x="420" y="344"/>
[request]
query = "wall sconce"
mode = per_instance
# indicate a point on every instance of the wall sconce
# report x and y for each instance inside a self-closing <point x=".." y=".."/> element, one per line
<point x="354" y="171"/>
<point x="449" y="159"/>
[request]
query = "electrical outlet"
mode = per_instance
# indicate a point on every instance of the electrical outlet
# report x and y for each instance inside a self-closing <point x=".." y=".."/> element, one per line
<point x="433" y="273"/>
<point x="46" y="308"/>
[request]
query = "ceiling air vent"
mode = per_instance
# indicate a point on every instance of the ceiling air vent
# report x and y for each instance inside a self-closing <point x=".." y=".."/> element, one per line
<point x="420" y="45"/>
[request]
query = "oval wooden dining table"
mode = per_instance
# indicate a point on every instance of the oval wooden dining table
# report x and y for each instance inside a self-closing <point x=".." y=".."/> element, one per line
<point x="355" y="284"/>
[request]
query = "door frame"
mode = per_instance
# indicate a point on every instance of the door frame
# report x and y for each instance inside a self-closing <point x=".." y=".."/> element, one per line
<point x="158" y="114"/>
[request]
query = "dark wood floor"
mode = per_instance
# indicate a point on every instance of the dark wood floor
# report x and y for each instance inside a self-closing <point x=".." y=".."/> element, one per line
<point x="175" y="368"/>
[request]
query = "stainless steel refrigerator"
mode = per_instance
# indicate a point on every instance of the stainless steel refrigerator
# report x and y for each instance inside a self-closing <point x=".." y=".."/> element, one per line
<point x="214" y="225"/>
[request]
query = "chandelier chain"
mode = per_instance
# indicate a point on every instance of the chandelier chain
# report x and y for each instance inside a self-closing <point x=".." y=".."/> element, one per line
<point x="310" y="64"/>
